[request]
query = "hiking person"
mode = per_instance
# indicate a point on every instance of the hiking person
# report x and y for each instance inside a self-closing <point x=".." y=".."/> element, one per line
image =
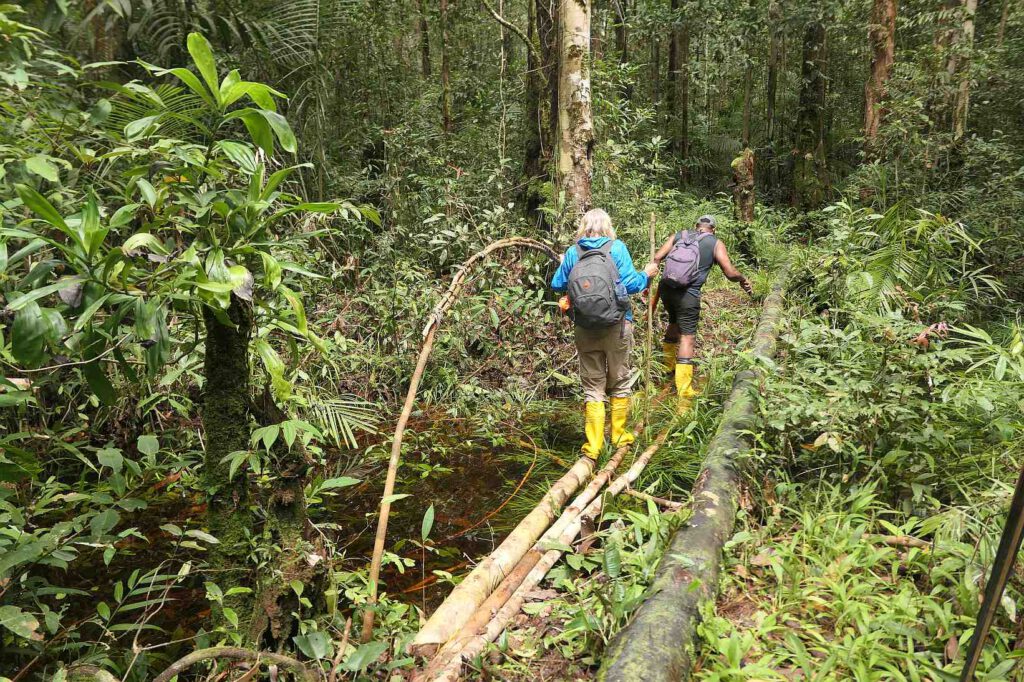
<point x="598" y="276"/>
<point x="690" y="255"/>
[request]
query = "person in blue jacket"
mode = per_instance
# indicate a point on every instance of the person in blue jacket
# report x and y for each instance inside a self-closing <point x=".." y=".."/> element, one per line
<point x="605" y="353"/>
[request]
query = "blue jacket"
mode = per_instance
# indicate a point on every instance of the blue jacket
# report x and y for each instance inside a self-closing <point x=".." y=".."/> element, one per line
<point x="635" y="281"/>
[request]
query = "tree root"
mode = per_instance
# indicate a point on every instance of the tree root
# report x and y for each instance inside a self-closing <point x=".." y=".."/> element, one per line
<point x="237" y="654"/>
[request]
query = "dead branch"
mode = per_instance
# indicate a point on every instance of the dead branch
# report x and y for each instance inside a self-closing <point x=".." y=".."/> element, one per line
<point x="237" y="654"/>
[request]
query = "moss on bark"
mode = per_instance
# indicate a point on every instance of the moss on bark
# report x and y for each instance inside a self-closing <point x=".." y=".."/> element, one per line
<point x="226" y="427"/>
<point x="658" y="644"/>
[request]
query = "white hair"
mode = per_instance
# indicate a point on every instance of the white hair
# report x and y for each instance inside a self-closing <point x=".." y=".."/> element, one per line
<point x="596" y="223"/>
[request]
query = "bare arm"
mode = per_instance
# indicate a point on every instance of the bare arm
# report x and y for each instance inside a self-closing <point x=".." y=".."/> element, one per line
<point x="662" y="253"/>
<point x="728" y="269"/>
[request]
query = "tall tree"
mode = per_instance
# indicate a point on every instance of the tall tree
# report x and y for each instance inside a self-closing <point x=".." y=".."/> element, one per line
<point x="963" y="93"/>
<point x="575" y="113"/>
<point x="446" y="86"/>
<point x="810" y="172"/>
<point x="541" y="101"/>
<point x="424" y="40"/>
<point x="774" y="64"/>
<point x="882" y="39"/>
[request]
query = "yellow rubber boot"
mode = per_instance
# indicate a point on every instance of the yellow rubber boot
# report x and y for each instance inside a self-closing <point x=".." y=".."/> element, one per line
<point x="684" y="386"/>
<point x="594" y="429"/>
<point x="620" y="414"/>
<point x="671" y="351"/>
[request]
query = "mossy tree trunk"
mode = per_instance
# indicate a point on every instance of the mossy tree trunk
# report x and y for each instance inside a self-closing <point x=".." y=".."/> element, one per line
<point x="228" y="413"/>
<point x="226" y="426"/>
<point x="658" y="643"/>
<point x="743" y="185"/>
<point x="575" y="114"/>
<point x="810" y="170"/>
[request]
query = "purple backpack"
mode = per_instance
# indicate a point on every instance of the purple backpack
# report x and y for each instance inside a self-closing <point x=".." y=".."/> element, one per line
<point x="682" y="267"/>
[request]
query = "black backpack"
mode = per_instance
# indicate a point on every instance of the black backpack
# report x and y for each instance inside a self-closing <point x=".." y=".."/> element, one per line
<point x="592" y="289"/>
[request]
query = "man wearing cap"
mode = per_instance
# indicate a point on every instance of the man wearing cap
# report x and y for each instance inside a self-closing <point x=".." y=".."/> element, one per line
<point x="683" y="304"/>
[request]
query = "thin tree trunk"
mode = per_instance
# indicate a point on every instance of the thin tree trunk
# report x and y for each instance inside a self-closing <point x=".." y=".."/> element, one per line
<point x="656" y="72"/>
<point x="533" y="166"/>
<point x="446" y="89"/>
<point x="774" y="61"/>
<point x="424" y="40"/>
<point x="1003" y="18"/>
<point x="684" y="98"/>
<point x="575" y="115"/>
<point x="622" y="29"/>
<point x="963" y="95"/>
<point x="882" y="39"/>
<point x="672" y="93"/>
<point x="748" y="91"/>
<point x="810" y="173"/>
<point x="548" y="34"/>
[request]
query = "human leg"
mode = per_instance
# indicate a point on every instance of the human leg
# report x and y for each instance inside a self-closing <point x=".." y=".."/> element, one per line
<point x="689" y="313"/>
<point x="619" y="351"/>
<point x="593" y="373"/>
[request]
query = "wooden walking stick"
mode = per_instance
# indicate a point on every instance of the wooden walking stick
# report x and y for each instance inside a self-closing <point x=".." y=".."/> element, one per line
<point x="650" y="326"/>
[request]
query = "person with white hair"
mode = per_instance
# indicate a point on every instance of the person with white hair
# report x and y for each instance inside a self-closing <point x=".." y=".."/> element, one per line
<point x="598" y="276"/>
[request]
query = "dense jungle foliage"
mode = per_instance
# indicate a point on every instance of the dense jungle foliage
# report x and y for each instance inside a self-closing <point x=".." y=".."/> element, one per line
<point x="224" y="225"/>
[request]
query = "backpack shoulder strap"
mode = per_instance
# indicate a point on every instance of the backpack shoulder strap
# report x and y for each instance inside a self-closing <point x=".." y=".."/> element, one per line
<point x="579" y="251"/>
<point x="679" y="235"/>
<point x="606" y="248"/>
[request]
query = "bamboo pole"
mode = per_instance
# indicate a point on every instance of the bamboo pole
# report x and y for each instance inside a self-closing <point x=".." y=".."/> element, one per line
<point x="501" y="618"/>
<point x="657" y="644"/>
<point x="433" y="322"/>
<point x="499" y="595"/>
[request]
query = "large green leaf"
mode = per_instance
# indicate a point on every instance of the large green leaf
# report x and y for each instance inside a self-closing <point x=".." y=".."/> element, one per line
<point x="41" y="207"/>
<point x="20" y="623"/>
<point x="28" y="335"/>
<point x="202" y="55"/>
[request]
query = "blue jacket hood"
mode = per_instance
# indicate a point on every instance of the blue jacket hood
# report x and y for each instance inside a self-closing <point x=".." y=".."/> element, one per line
<point x="593" y="242"/>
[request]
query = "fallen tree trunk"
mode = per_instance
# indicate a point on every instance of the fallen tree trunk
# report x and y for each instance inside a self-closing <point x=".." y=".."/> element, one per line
<point x="433" y="322"/>
<point x="658" y="643"/>
<point x="475" y="644"/>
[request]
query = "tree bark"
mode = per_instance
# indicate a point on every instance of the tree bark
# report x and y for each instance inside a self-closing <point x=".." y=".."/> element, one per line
<point x="622" y="29"/>
<point x="743" y="188"/>
<point x="226" y="426"/>
<point x="657" y="645"/>
<point x="774" y="62"/>
<point x="882" y="40"/>
<point x="810" y="172"/>
<point x="446" y="88"/>
<point x="963" y="94"/>
<point x="748" y="91"/>
<point x="1003" y="18"/>
<point x="575" y="115"/>
<point x="656" y="72"/>
<point x="684" y="98"/>
<point x="424" y="40"/>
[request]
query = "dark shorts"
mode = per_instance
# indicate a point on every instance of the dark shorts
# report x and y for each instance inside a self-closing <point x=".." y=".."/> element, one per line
<point x="683" y="306"/>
